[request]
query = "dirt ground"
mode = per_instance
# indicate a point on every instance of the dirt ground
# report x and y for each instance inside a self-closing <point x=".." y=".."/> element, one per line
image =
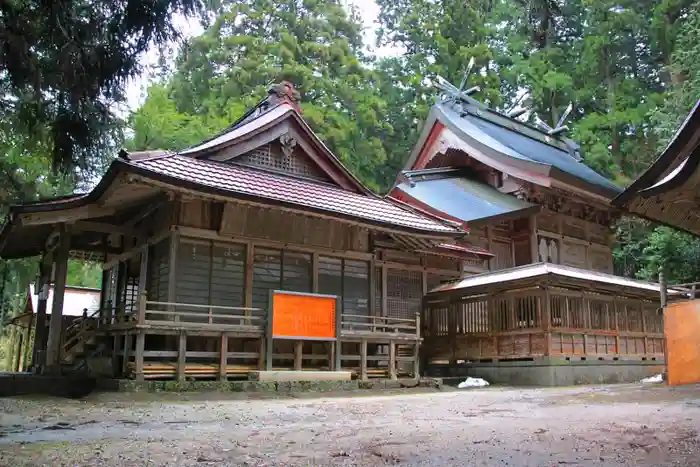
<point x="603" y="425"/>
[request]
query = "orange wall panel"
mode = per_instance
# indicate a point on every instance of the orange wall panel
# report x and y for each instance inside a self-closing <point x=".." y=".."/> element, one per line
<point x="682" y="331"/>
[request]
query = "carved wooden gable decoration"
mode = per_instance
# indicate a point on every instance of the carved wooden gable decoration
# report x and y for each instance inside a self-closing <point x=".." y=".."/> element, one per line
<point x="274" y="137"/>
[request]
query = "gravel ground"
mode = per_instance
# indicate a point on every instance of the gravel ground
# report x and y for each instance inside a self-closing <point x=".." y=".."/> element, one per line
<point x="603" y="425"/>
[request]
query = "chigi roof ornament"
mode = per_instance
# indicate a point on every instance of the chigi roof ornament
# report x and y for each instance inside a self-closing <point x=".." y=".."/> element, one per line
<point x="559" y="127"/>
<point x="459" y="94"/>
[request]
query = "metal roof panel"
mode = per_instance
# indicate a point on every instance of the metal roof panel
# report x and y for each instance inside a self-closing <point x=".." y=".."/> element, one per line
<point x="463" y="198"/>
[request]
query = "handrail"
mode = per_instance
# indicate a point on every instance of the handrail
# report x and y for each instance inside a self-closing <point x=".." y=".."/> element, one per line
<point x="384" y="318"/>
<point x="202" y="315"/>
<point x="193" y="305"/>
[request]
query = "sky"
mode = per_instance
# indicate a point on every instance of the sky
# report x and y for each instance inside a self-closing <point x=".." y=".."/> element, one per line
<point x="136" y="89"/>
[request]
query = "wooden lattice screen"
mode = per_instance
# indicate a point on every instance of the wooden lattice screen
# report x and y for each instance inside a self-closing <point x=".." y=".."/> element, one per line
<point x="272" y="157"/>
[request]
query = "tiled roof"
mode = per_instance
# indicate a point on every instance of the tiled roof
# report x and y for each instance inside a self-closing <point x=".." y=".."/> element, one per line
<point x="266" y="185"/>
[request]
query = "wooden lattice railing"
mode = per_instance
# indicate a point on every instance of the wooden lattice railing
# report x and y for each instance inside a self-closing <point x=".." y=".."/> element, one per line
<point x="535" y="322"/>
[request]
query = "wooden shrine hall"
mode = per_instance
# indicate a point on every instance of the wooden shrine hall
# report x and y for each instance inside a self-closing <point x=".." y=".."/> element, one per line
<point x="254" y="250"/>
<point x="546" y="308"/>
<point x="258" y="250"/>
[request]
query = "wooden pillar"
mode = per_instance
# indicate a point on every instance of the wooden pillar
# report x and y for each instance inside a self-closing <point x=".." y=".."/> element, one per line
<point x="298" y="354"/>
<point x="172" y="271"/>
<point x="249" y="263"/>
<point x="24" y="348"/>
<point x="489" y="239"/>
<point x="53" y="347"/>
<point x="126" y="353"/>
<point x="392" y="359"/>
<point x="40" y="334"/>
<point x="534" y="247"/>
<point x="268" y="353"/>
<point x="663" y="285"/>
<point x="116" y="369"/>
<point x="363" y="360"/>
<point x="546" y="307"/>
<point x="181" y="356"/>
<point x="261" y="353"/>
<point x="416" y="350"/>
<point x="223" y="357"/>
<point x="138" y="354"/>
<point x="20" y="345"/>
<point x="314" y="272"/>
<point x="120" y="309"/>
<point x="9" y="357"/>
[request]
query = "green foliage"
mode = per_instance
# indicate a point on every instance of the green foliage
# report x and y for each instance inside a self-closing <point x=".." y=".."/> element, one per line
<point x="65" y="62"/>
<point x="631" y="69"/>
<point x="253" y="43"/>
<point x="84" y="274"/>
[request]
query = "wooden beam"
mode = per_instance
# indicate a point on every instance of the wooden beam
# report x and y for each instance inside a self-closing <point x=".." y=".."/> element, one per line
<point x="65" y="215"/>
<point x="127" y="352"/>
<point x="103" y="227"/>
<point x="214" y="235"/>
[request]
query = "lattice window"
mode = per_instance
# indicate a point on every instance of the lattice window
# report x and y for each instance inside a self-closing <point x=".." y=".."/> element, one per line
<point x="404" y="293"/>
<point x="272" y="157"/>
<point x="527" y="309"/>
<point x="472" y="317"/>
<point x="557" y="309"/>
<point x="501" y="314"/>
<point x="634" y="318"/>
<point x="600" y="316"/>
<point x="576" y="313"/>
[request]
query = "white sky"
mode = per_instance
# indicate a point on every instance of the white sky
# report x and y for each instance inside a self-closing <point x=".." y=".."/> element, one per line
<point x="136" y="90"/>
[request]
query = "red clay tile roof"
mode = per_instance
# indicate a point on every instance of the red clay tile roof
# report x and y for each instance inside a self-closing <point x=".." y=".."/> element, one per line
<point x="251" y="182"/>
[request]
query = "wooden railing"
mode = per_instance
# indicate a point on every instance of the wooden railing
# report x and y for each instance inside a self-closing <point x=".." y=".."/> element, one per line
<point x="534" y="322"/>
<point x="77" y="331"/>
<point x="363" y="324"/>
<point x="190" y="315"/>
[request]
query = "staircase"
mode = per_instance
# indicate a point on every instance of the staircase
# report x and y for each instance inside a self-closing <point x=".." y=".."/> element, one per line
<point x="81" y="342"/>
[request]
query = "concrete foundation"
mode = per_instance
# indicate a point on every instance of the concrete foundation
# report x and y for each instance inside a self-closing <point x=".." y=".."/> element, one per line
<point x="550" y="371"/>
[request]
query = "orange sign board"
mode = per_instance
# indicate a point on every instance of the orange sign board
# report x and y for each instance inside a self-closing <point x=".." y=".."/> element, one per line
<point x="303" y="316"/>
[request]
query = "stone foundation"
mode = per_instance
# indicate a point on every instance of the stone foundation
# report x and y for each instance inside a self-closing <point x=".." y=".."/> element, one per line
<point x="123" y="385"/>
<point x="549" y="371"/>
